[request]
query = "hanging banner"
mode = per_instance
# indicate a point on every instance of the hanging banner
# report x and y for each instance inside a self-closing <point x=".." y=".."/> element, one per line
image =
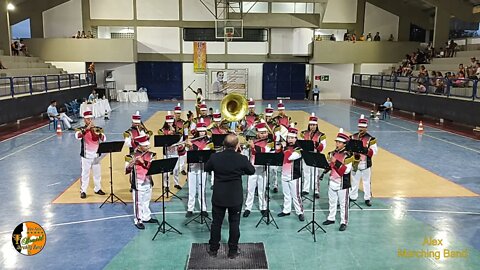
<point x="199" y="56"/>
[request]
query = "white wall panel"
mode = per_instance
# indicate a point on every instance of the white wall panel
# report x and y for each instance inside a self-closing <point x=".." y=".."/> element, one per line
<point x="124" y="74"/>
<point x="302" y="37"/>
<point x="111" y="9"/>
<point x="157" y="10"/>
<point x="247" y="47"/>
<point x="282" y="41"/>
<point x="283" y="7"/>
<point x="376" y="68"/>
<point x="158" y="39"/>
<point x="255" y="77"/>
<point x="339" y="85"/>
<point x="379" y="20"/>
<point x="63" y="20"/>
<point x="255" y="7"/>
<point x="341" y="11"/>
<point x="189" y="76"/>
<point x="212" y="47"/>
<point x="194" y="10"/>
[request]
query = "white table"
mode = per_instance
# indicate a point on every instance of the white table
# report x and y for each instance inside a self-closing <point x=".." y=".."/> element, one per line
<point x="132" y="96"/>
<point x="98" y="108"/>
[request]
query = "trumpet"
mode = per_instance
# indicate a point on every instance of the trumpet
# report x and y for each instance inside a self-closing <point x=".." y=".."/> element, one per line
<point x="149" y="132"/>
<point x="184" y="142"/>
<point x="135" y="159"/>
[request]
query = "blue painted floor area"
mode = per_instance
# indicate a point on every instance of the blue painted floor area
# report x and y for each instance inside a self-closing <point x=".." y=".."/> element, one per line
<point x="38" y="166"/>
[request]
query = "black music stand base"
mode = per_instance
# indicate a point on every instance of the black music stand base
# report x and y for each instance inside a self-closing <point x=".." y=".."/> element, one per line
<point x="166" y="192"/>
<point x="203" y="219"/>
<point x="268" y="218"/>
<point x="354" y="203"/>
<point x="314" y="225"/>
<point x="112" y="195"/>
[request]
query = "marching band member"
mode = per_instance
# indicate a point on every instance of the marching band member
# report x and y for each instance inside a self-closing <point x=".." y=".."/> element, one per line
<point x="179" y="125"/>
<point x="319" y="142"/>
<point x="291" y="174"/>
<point x="90" y="137"/>
<point x="363" y="161"/>
<point x="340" y="165"/>
<point x="195" y="173"/>
<point x="273" y="128"/>
<point x="207" y="119"/>
<point x="218" y="126"/>
<point x="137" y="165"/>
<point x="282" y="118"/>
<point x="251" y="118"/>
<point x="172" y="151"/>
<point x="188" y="125"/>
<point x="261" y="145"/>
<point x="134" y="131"/>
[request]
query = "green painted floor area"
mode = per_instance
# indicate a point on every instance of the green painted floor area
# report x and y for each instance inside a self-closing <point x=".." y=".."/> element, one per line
<point x="372" y="240"/>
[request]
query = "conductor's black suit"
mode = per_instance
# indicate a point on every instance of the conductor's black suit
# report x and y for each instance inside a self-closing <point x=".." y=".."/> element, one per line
<point x="228" y="166"/>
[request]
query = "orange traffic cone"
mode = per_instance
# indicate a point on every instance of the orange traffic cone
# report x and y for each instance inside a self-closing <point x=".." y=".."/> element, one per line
<point x="59" y="129"/>
<point x="420" y="128"/>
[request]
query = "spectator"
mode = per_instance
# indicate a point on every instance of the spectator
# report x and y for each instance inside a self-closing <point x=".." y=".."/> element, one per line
<point x="391" y="38"/>
<point x="23" y="48"/>
<point x="308" y="87"/>
<point x="316" y="92"/>
<point x="369" y="37"/>
<point x="362" y="37"/>
<point x="78" y="35"/>
<point x="452" y="46"/>
<point x="388" y="108"/>
<point x="90" y="35"/>
<point x="93" y="96"/>
<point x="430" y="52"/>
<point x="423" y="75"/>
<point x="332" y="38"/>
<point x="460" y="79"/>
<point x="15" y="48"/>
<point x="53" y="113"/>
<point x="421" y="89"/>
<point x="441" y="53"/>
<point x="377" y="37"/>
<point x="83" y="34"/>
<point x="433" y="75"/>
<point x="461" y="68"/>
<point x="2" y="66"/>
<point x="353" y="37"/>
<point x="439" y="83"/>
<point x="91" y="73"/>
<point x="346" y="37"/>
<point x="477" y="71"/>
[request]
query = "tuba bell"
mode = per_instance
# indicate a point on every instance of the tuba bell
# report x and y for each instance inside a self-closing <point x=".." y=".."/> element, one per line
<point x="234" y="107"/>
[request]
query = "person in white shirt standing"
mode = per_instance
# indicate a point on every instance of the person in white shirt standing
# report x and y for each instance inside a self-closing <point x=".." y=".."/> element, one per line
<point x="53" y="113"/>
<point x="90" y="137"/>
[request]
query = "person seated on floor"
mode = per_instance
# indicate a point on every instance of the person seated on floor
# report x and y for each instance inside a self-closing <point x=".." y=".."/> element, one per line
<point x="92" y="97"/>
<point x="53" y="113"/>
<point x="388" y="107"/>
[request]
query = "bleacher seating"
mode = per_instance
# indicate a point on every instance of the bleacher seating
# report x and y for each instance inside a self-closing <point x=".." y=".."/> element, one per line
<point x="26" y="66"/>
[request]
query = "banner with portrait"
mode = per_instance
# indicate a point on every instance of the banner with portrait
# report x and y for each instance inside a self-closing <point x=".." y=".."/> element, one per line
<point x="225" y="81"/>
<point x="199" y="56"/>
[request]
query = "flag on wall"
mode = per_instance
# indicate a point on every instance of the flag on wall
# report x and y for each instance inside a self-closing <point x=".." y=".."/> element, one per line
<point x="199" y="56"/>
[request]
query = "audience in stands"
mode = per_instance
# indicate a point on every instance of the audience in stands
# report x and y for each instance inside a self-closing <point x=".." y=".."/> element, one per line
<point x="451" y="48"/>
<point x="53" y="113"/>
<point x="377" y="37"/>
<point x="81" y="34"/>
<point x="391" y="38"/>
<point x="23" y="48"/>
<point x="369" y="37"/>
<point x="15" y="46"/>
<point x="332" y="38"/>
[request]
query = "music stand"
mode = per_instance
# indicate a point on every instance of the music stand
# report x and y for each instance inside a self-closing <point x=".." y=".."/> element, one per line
<point x="356" y="146"/>
<point x="111" y="147"/>
<point x="218" y="139"/>
<point x="200" y="156"/>
<point x="160" y="167"/>
<point x="165" y="141"/>
<point x="316" y="160"/>
<point x="307" y="146"/>
<point x="267" y="160"/>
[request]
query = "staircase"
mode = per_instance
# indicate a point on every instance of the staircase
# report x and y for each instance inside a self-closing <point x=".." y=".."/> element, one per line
<point x="19" y="66"/>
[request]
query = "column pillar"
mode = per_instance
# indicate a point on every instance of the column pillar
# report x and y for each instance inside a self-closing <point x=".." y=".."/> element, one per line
<point x="5" y="35"/>
<point x="441" y="28"/>
<point x="36" y="25"/>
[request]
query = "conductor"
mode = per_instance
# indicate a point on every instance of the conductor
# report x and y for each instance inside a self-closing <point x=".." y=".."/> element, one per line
<point x="228" y="166"/>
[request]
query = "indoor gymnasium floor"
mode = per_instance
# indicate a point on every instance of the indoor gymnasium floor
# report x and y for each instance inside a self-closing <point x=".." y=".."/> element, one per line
<point x="424" y="186"/>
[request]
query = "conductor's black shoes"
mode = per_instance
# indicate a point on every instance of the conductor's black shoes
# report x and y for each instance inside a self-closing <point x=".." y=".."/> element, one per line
<point x="304" y="193"/>
<point x="246" y="213"/>
<point x="281" y="214"/>
<point x="189" y="214"/>
<point x="212" y="253"/>
<point x="152" y="220"/>
<point x="301" y="217"/>
<point x="328" y="222"/>
<point x="368" y="203"/>
<point x="177" y="187"/>
<point x="100" y="192"/>
<point x="317" y="196"/>
<point x="140" y="226"/>
<point x="233" y="255"/>
<point x="83" y="195"/>
<point x="204" y="213"/>
<point x="275" y="190"/>
<point x="343" y="227"/>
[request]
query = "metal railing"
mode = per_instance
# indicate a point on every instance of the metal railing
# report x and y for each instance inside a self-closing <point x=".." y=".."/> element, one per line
<point x="460" y="88"/>
<point x="15" y="86"/>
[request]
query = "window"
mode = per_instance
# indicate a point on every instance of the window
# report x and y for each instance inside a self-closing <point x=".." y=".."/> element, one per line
<point x="21" y="30"/>
<point x="208" y="34"/>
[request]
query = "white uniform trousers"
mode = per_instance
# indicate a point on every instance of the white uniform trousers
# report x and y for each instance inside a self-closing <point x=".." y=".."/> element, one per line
<point x="66" y="120"/>
<point x="141" y="202"/>
<point x="274" y="171"/>
<point x="256" y="180"/>
<point x="365" y="176"/>
<point x="308" y="176"/>
<point x="193" y="186"/>
<point x="178" y="168"/>
<point x="291" y="191"/>
<point x="335" y="196"/>
<point x="94" y="164"/>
